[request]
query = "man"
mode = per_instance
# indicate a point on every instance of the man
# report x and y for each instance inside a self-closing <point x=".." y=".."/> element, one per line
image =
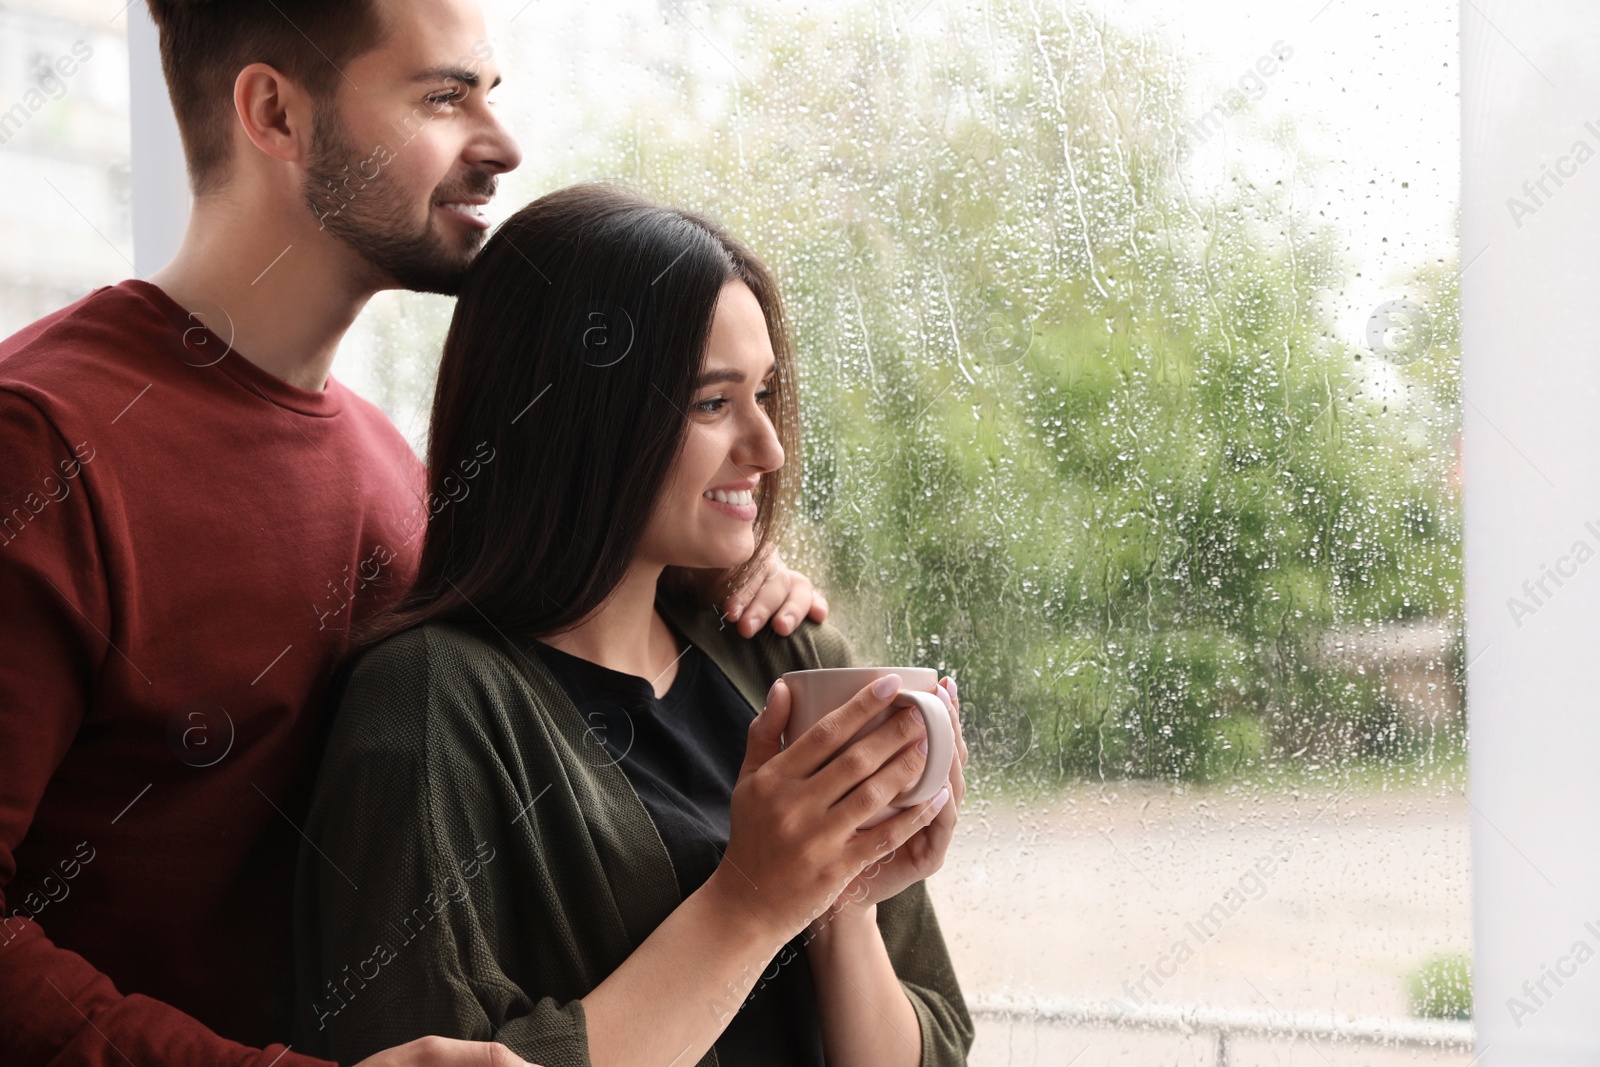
<point x="193" y="515"/>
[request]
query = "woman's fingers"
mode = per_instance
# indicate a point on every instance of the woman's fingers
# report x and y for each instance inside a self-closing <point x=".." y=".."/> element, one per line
<point x="928" y="845"/>
<point x="890" y="754"/>
<point x="880" y="840"/>
<point x="947" y="690"/>
<point x="766" y="729"/>
<point x="833" y="731"/>
<point x="891" y="765"/>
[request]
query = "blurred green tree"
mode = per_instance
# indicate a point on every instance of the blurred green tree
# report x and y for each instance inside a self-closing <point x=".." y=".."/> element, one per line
<point x="1076" y="431"/>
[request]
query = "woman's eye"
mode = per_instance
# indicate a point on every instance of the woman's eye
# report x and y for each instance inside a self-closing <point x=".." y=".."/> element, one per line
<point x="712" y="406"/>
<point x="766" y="396"/>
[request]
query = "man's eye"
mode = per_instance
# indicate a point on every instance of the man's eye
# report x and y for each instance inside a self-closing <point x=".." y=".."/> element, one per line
<point x="441" y="99"/>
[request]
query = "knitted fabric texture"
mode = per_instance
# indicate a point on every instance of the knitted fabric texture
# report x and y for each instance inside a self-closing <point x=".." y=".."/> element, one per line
<point x="476" y="863"/>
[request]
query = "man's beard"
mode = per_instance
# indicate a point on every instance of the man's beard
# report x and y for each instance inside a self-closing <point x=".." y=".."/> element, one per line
<point x="375" y="218"/>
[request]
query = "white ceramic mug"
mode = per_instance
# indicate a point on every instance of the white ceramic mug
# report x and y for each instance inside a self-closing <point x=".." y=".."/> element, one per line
<point x="816" y="693"/>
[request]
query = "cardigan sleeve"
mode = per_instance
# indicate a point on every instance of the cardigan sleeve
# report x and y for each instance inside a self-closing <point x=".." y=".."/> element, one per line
<point x="916" y="948"/>
<point x="404" y="904"/>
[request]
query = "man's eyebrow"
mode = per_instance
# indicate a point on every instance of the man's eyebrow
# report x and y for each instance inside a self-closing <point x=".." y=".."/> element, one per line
<point x="728" y="374"/>
<point x="460" y="74"/>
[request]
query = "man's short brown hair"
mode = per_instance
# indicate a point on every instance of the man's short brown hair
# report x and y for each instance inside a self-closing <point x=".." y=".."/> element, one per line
<point x="205" y="43"/>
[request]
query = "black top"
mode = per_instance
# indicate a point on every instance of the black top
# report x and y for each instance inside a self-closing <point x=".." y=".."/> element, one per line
<point x="682" y="753"/>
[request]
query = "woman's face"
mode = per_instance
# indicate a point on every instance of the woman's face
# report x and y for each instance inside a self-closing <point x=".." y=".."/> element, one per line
<point x="706" y="516"/>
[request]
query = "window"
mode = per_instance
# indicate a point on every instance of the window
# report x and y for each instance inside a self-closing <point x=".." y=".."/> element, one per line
<point x="1131" y="393"/>
<point x="1131" y="382"/>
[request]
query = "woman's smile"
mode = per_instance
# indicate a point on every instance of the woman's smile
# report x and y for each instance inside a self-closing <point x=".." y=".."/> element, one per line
<point x="736" y="502"/>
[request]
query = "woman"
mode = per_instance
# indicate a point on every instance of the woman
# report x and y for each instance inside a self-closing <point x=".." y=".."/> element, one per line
<point x="549" y="813"/>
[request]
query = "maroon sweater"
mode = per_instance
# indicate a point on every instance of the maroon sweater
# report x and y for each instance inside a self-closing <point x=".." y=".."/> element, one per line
<point x="184" y="542"/>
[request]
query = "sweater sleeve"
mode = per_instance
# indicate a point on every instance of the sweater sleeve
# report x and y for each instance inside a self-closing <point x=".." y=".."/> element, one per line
<point x="56" y="1006"/>
<point x="922" y="963"/>
<point x="406" y="915"/>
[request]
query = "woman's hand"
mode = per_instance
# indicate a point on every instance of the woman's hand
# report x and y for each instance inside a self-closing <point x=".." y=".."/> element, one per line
<point x="924" y="852"/>
<point x="775" y="592"/>
<point x="793" y="839"/>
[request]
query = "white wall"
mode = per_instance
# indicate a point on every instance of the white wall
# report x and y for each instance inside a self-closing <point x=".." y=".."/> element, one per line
<point x="160" y="184"/>
<point x="1530" y="316"/>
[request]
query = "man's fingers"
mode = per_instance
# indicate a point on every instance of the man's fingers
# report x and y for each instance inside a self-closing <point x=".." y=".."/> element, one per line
<point x="437" y="1051"/>
<point x="737" y="607"/>
<point x="500" y="1056"/>
<point x="796" y="606"/>
<point x="819" y="606"/>
<point x="738" y="601"/>
<point x="774" y="591"/>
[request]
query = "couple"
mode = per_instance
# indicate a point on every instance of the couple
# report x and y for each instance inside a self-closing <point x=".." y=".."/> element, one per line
<point x="195" y="517"/>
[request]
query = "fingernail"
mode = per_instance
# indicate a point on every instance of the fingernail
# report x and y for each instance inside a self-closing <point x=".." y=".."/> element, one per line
<point x="916" y="713"/>
<point x="773" y="690"/>
<point x="922" y="746"/>
<point x="756" y="620"/>
<point x="954" y="690"/>
<point x="786" y="621"/>
<point x="941" y="798"/>
<point x="948" y="703"/>
<point x="886" y="687"/>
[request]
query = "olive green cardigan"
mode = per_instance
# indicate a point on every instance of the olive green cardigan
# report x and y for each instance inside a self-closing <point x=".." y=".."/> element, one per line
<point x="476" y="863"/>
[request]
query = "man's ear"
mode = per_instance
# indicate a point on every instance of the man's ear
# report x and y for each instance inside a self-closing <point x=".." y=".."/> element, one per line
<point x="274" y="111"/>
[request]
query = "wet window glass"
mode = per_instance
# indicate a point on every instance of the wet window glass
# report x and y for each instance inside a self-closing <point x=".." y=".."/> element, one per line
<point x="1129" y="376"/>
<point x="1129" y="373"/>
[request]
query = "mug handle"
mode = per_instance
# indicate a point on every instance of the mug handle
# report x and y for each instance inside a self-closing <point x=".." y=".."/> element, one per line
<point x="941" y="747"/>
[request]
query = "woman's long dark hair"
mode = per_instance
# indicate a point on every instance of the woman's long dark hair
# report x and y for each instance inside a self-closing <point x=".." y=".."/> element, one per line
<point x="562" y="403"/>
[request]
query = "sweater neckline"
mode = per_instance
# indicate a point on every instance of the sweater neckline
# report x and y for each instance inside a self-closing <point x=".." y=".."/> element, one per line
<point x="203" y="348"/>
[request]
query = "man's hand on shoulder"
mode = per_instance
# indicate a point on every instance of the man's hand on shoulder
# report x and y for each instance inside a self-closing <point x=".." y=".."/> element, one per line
<point x="446" y="1052"/>
<point x="774" y="592"/>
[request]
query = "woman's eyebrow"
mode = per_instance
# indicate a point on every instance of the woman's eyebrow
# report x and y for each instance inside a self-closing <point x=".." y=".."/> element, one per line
<point x="729" y="374"/>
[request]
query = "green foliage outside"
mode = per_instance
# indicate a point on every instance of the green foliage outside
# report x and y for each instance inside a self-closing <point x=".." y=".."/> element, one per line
<point x="1077" y="430"/>
<point x="1442" y="988"/>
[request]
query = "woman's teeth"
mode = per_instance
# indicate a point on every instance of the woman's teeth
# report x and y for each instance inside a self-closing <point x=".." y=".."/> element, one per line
<point x="741" y="496"/>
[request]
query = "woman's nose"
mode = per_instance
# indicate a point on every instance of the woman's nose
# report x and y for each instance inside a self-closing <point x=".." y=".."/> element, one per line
<point x="759" y="445"/>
